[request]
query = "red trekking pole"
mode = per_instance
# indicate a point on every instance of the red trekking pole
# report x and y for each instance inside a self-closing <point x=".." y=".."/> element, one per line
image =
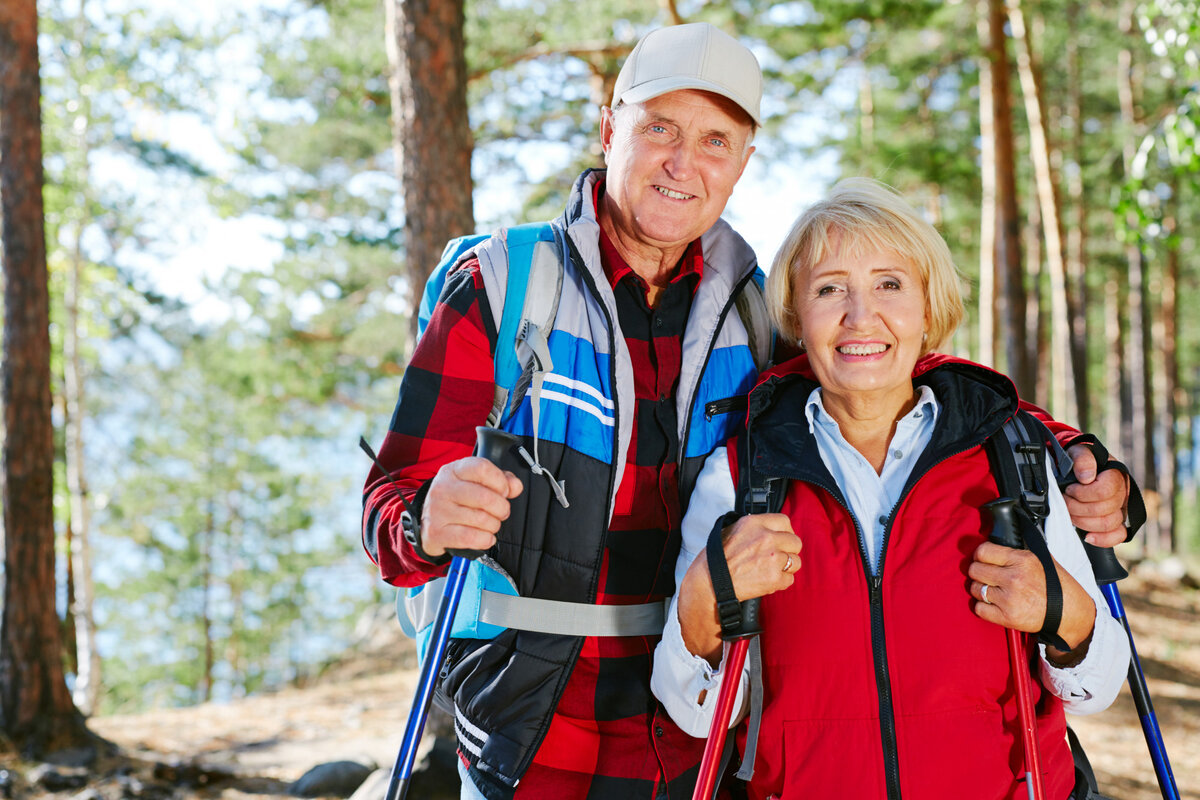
<point x="1004" y="531"/>
<point x="710" y="763"/>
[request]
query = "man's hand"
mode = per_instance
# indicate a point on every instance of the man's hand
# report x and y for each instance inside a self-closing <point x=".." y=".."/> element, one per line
<point x="1097" y="502"/>
<point x="467" y="501"/>
<point x="1016" y="594"/>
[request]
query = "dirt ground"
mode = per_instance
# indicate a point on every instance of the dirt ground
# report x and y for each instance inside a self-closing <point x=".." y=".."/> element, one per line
<point x="359" y="713"/>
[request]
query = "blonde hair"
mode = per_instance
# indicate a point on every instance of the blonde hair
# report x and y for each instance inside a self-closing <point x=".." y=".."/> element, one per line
<point x="859" y="216"/>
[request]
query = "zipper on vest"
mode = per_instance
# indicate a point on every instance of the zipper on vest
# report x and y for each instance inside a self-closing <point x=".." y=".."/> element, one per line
<point x="883" y="684"/>
<point x="883" y="680"/>
<point x="724" y="406"/>
<point x="883" y="687"/>
<point x="685" y="422"/>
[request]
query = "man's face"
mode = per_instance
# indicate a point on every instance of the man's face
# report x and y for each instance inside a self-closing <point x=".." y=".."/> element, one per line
<point x="672" y="164"/>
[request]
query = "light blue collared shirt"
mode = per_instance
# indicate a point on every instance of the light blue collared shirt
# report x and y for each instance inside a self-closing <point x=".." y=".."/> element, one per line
<point x="873" y="496"/>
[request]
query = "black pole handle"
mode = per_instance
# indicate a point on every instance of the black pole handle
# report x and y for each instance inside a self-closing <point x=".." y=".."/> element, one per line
<point x="751" y="624"/>
<point x="1004" y="522"/>
<point x="492" y="444"/>
<point x="1105" y="564"/>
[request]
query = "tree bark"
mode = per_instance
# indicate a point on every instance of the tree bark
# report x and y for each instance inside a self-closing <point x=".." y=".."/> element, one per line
<point x="1076" y="239"/>
<point x="1169" y="329"/>
<point x="1010" y="277"/>
<point x="86" y="690"/>
<point x="988" y="302"/>
<point x="1136" y="415"/>
<point x="431" y="130"/>
<point x="87" y="674"/>
<point x="1062" y="371"/>
<point x="37" y="715"/>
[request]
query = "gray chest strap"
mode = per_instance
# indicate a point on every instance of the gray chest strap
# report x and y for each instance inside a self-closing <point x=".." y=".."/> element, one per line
<point x="572" y="619"/>
<point x="417" y="612"/>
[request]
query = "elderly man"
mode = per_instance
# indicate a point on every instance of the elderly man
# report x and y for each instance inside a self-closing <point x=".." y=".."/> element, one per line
<point x="650" y="360"/>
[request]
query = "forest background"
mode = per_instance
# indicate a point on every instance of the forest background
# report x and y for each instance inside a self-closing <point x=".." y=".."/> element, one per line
<point x="239" y="200"/>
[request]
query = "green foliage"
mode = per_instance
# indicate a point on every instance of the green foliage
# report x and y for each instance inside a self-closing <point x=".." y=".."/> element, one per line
<point x="222" y="449"/>
<point x="222" y="521"/>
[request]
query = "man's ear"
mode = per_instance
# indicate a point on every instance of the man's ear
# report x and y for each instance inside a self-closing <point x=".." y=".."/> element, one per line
<point x="746" y="160"/>
<point x="606" y="129"/>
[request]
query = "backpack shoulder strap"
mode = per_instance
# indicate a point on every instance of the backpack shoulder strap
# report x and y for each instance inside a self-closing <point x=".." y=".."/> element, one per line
<point x="1018" y="456"/>
<point x="536" y="258"/>
<point x="751" y="304"/>
<point x="531" y="299"/>
<point x="755" y="493"/>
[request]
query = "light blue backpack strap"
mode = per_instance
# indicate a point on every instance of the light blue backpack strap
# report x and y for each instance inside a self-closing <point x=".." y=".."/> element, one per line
<point x="542" y="279"/>
<point x="751" y="306"/>
<point x="522" y="243"/>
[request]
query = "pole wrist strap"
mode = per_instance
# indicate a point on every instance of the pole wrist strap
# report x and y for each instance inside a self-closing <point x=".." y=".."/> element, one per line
<point x="729" y="610"/>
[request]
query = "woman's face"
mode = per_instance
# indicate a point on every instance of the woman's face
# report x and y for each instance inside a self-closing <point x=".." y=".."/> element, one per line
<point x="863" y="320"/>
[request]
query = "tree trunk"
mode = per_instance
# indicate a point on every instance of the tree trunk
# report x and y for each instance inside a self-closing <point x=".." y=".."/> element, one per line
<point x="1136" y="416"/>
<point x="207" y="592"/>
<point x="87" y="676"/>
<point x="431" y="130"/>
<point x="1077" y="299"/>
<point x="1037" y="323"/>
<point x="1169" y="468"/>
<point x="81" y="606"/>
<point x="1062" y="395"/>
<point x="1010" y="277"/>
<point x="36" y="712"/>
<point x="988" y="302"/>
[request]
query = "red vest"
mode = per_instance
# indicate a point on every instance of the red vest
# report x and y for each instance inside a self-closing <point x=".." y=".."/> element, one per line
<point x="936" y="673"/>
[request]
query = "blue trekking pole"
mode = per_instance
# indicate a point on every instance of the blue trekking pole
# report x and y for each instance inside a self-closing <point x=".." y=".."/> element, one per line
<point x="491" y="444"/>
<point x="1108" y="571"/>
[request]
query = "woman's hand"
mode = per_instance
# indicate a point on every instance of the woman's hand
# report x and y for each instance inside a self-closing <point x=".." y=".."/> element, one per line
<point x="1016" y="594"/>
<point x="763" y="553"/>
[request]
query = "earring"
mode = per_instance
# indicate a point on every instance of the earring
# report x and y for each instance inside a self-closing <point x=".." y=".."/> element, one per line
<point x="800" y="343"/>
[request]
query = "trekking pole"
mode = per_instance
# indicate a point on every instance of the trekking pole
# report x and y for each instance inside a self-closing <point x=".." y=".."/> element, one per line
<point x="1004" y="532"/>
<point x="710" y="762"/>
<point x="492" y="444"/>
<point x="1108" y="571"/>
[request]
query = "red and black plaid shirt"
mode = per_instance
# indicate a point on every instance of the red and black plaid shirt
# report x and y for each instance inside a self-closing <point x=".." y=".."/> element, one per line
<point x="608" y="736"/>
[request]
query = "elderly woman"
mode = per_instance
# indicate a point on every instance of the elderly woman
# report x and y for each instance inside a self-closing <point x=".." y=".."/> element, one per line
<point x="885" y="658"/>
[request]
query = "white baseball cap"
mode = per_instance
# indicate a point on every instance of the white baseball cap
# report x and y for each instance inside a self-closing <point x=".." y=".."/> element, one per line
<point x="692" y="56"/>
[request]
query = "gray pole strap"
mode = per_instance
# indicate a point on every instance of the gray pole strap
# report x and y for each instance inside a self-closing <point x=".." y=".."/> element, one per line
<point x="746" y="770"/>
<point x="572" y="619"/>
